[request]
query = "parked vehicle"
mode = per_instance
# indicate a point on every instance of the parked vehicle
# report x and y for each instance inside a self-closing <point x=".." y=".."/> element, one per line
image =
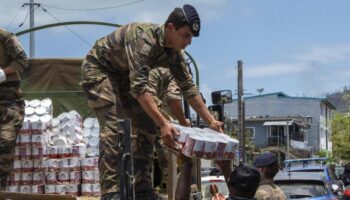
<point x="218" y="180"/>
<point x="347" y="193"/>
<point x="206" y="171"/>
<point x="304" y="185"/>
<point x="317" y="165"/>
<point x="339" y="171"/>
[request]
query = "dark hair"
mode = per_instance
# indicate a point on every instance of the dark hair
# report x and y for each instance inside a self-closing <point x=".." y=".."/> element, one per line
<point x="244" y="181"/>
<point x="214" y="189"/>
<point x="178" y="18"/>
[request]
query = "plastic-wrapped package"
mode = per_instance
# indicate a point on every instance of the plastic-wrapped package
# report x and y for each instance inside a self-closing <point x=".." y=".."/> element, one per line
<point x="205" y="143"/>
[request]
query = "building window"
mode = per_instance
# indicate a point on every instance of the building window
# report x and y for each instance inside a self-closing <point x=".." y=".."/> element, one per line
<point x="322" y="110"/>
<point x="250" y="131"/>
<point x="277" y="131"/>
<point x="296" y="133"/>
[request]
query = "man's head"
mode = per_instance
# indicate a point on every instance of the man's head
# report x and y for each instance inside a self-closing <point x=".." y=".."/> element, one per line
<point x="181" y="25"/>
<point x="243" y="182"/>
<point x="267" y="164"/>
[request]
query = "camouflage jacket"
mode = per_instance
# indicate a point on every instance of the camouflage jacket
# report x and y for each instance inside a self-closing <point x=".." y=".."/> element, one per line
<point x="163" y="87"/>
<point x="269" y="191"/>
<point x="133" y="50"/>
<point x="12" y="54"/>
<point x="162" y="84"/>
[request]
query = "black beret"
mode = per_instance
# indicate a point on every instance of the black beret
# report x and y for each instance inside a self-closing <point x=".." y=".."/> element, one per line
<point x="265" y="159"/>
<point x="244" y="178"/>
<point x="192" y="18"/>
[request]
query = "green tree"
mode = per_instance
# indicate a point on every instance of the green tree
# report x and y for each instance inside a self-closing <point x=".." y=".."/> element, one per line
<point x="346" y="98"/>
<point x="341" y="136"/>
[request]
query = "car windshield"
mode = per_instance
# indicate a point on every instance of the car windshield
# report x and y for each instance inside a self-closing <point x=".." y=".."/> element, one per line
<point x="222" y="187"/>
<point x="296" y="190"/>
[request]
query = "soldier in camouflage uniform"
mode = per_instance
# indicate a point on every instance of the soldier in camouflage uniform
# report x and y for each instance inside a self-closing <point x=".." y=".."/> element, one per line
<point x="268" y="166"/>
<point x="117" y="68"/>
<point x="167" y="96"/>
<point x="13" y="60"/>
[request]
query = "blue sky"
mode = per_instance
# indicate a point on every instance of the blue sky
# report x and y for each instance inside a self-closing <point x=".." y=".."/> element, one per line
<point x="300" y="47"/>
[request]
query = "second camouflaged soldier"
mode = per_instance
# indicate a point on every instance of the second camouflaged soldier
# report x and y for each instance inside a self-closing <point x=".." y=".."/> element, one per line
<point x="117" y="68"/>
<point x="13" y="60"/>
<point x="168" y="97"/>
<point x="268" y="166"/>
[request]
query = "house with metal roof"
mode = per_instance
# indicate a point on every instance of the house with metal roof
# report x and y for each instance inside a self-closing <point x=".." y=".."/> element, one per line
<point x="299" y="124"/>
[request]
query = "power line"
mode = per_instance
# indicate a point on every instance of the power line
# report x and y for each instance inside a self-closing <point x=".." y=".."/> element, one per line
<point x="69" y="29"/>
<point x="8" y="25"/>
<point x="93" y="9"/>
<point x="25" y="18"/>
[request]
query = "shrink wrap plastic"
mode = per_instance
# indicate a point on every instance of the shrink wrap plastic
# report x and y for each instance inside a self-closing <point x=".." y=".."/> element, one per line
<point x="205" y="143"/>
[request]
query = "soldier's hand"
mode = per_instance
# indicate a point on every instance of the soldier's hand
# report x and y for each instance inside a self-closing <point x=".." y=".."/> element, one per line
<point x="168" y="132"/>
<point x="216" y="125"/>
<point x="185" y="122"/>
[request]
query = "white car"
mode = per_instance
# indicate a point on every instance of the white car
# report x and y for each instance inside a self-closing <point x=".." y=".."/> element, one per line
<point x="218" y="180"/>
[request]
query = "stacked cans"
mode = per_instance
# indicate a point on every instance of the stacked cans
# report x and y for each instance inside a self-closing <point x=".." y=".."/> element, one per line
<point x="90" y="177"/>
<point x="50" y="153"/>
<point x="66" y="129"/>
<point x="91" y="136"/>
<point x="64" y="153"/>
<point x="206" y="143"/>
<point x="28" y="175"/>
<point x="63" y="170"/>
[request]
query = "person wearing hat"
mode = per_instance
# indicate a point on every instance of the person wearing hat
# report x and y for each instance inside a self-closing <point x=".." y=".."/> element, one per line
<point x="243" y="183"/>
<point x="116" y="68"/>
<point x="13" y="61"/>
<point x="268" y="166"/>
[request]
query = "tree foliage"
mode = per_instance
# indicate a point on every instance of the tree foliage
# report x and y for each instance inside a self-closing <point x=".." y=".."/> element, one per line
<point x="341" y="137"/>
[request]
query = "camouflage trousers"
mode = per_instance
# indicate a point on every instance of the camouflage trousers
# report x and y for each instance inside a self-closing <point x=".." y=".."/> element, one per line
<point x="11" y="120"/>
<point x="162" y="155"/>
<point x="109" y="96"/>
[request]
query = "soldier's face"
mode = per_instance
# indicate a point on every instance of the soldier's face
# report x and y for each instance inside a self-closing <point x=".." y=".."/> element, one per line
<point x="178" y="38"/>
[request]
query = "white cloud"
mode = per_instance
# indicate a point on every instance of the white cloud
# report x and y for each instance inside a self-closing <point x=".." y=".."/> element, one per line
<point x="274" y="69"/>
<point x="327" y="54"/>
<point x="321" y="57"/>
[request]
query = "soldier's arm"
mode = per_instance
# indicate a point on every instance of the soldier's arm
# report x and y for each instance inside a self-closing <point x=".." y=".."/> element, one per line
<point x="177" y="111"/>
<point x="167" y="129"/>
<point x="172" y="96"/>
<point x="184" y="80"/>
<point x="139" y="54"/>
<point x="18" y="58"/>
<point x="183" y="77"/>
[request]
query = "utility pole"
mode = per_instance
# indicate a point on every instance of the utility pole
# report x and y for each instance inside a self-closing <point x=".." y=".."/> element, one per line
<point x="31" y="5"/>
<point x="287" y="144"/>
<point x="241" y="116"/>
